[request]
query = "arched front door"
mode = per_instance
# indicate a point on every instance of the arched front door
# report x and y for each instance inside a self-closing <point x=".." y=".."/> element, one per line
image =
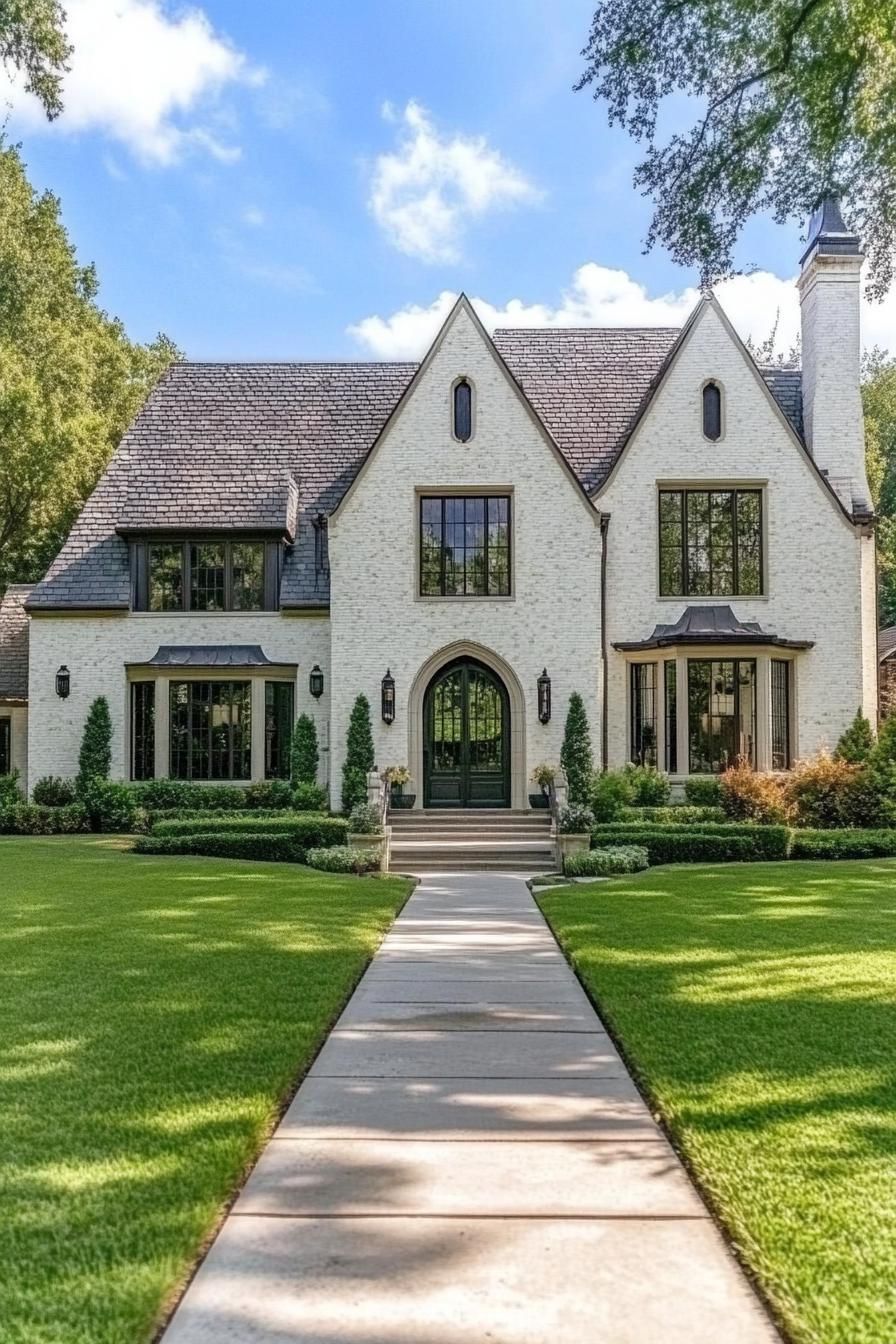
<point x="466" y="746"/>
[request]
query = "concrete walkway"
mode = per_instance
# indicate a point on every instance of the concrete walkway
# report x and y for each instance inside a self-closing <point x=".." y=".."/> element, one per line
<point x="469" y="1161"/>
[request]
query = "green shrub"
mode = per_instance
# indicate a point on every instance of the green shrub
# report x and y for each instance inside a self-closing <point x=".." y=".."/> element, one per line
<point x="303" y="754"/>
<point x="365" y="819"/>
<point x="51" y="791"/>
<point x="34" y="819"/>
<point x="606" y="862"/>
<point x="309" y="798"/>
<point x="747" y="795"/>
<point x="857" y="743"/>
<point x="310" y="830"/>
<point x="269" y="847"/>
<point x="182" y="795"/>
<point x="95" y="756"/>
<point x="271" y="794"/>
<point x="575" y="820"/>
<point x="649" y="786"/>
<point x="110" y="806"/>
<point x="359" y="759"/>
<point x="609" y="794"/>
<point x="10" y="790"/>
<point x="344" y="859"/>
<point x="699" y="844"/>
<point x="881" y="773"/>
<point x="826" y="793"/>
<point x="575" y="754"/>
<point x="674" y="815"/>
<point x="844" y="844"/>
<point x="702" y="791"/>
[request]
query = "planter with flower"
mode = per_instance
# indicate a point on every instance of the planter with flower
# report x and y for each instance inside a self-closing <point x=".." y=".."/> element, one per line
<point x="367" y="832"/>
<point x="396" y="776"/>
<point x="574" y="827"/>
<point x="543" y="775"/>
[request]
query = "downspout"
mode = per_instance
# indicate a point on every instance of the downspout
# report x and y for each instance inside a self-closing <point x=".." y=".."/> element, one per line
<point x="604" y="711"/>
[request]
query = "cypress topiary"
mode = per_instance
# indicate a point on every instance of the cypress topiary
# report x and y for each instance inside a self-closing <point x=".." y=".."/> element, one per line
<point x="303" y="755"/>
<point x="881" y="772"/>
<point x="575" y="754"/>
<point x="857" y="742"/>
<point x="359" y="759"/>
<point x="95" y="757"/>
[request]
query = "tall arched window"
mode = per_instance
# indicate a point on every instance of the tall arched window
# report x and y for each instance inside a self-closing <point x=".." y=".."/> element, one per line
<point x="712" y="411"/>
<point x="462" y="411"/>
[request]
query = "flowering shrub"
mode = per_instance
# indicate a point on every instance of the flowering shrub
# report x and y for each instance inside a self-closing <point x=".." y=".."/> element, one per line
<point x="575" y="820"/>
<point x="826" y="792"/>
<point x="748" y="796"/>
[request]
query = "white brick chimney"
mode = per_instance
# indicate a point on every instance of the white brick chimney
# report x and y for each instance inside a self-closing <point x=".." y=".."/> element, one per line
<point x="830" y="291"/>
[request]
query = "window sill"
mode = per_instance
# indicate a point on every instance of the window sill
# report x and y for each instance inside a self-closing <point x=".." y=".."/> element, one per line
<point x="463" y="597"/>
<point x="211" y="615"/>
<point x="714" y="601"/>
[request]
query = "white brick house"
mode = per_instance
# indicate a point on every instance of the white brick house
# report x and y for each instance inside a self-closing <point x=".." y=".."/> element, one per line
<point x="642" y="516"/>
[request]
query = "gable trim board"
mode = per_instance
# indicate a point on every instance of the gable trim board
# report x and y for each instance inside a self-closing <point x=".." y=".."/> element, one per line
<point x="463" y="305"/>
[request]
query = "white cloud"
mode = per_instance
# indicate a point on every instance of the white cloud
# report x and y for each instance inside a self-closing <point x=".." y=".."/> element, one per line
<point x="253" y="216"/>
<point x="423" y="194"/>
<point x="141" y="76"/>
<point x="602" y="297"/>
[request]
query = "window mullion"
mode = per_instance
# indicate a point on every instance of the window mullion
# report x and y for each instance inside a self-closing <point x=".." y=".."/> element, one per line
<point x="685" y="575"/>
<point x="443" y="548"/>
<point x="228" y="576"/>
<point x="486" y="588"/>
<point x="735" y="541"/>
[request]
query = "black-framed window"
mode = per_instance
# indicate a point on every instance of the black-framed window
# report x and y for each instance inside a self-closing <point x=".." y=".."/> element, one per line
<point x="670" y="692"/>
<point x="210" y="729"/>
<point x="143" y="730"/>
<point x="205" y="574"/>
<point x="712" y="411"/>
<point x="462" y="410"/>
<point x="643" y="713"/>
<point x="721" y="713"/>
<point x="278" y="717"/>
<point x="710" y="543"/>
<point x="465" y="546"/>
<point x="780" y="697"/>
<point x="5" y="746"/>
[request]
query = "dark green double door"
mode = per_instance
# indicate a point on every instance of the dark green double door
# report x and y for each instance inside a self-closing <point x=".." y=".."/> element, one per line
<point x="466" y="753"/>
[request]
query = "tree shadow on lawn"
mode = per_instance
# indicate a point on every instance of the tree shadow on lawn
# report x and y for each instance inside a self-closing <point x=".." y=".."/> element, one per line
<point x="155" y="1017"/>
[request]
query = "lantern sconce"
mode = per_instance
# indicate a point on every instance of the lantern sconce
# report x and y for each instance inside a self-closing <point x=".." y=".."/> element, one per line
<point x="388" y="697"/>
<point x="544" y="697"/>
<point x="316" y="682"/>
<point x="63" y="682"/>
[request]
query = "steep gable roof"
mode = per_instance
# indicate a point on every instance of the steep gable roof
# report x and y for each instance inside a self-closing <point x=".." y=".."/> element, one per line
<point x="276" y="445"/>
<point x="14" y="642"/>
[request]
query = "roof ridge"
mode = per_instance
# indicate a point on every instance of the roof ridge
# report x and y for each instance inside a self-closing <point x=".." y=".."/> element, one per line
<point x="295" y="363"/>
<point x="585" y="327"/>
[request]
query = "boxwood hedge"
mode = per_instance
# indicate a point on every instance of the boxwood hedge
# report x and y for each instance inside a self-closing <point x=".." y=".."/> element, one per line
<point x="311" y="830"/>
<point x="844" y="844"/>
<point x="698" y="844"/>
<point x="276" y="847"/>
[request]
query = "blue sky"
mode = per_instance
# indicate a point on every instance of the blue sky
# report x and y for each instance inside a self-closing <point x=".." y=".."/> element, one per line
<point x="317" y="180"/>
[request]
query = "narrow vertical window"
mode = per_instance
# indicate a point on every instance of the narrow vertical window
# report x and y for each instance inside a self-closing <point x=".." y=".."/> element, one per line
<point x="210" y="729"/>
<point x="780" y="714"/>
<point x="712" y="411"/>
<point x="721" y="714"/>
<point x="643" y="713"/>
<point x="278" y="714"/>
<point x="463" y="411"/>
<point x="5" y="746"/>
<point x="143" y="730"/>
<point x="670" y="685"/>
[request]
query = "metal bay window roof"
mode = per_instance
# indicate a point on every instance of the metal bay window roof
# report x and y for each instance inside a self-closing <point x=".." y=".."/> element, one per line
<point x="210" y="655"/>
<point x="713" y="624"/>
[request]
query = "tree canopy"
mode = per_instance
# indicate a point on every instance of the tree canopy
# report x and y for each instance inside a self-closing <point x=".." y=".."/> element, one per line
<point x="33" y="41"/>
<point x="879" y="403"/>
<point x="70" y="378"/>
<point x="795" y="98"/>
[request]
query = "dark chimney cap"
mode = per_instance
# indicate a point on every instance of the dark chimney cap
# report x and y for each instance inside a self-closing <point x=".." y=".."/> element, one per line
<point x="828" y="234"/>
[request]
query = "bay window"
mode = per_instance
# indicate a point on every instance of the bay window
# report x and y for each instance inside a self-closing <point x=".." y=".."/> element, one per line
<point x="210" y="727"/>
<point x="721" y="713"/>
<point x="143" y="731"/>
<point x="643" y="713"/>
<point x="278" y="717"/>
<point x="780" y="696"/>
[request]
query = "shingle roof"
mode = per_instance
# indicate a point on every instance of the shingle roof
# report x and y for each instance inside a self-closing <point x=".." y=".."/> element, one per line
<point x="886" y="642"/>
<point x="14" y="642"/>
<point x="257" y="445"/>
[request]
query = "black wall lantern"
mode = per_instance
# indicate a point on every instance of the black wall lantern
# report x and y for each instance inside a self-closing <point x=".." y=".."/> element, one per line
<point x="63" y="682"/>
<point x="316" y="682"/>
<point x="388" y="697"/>
<point x="544" y="697"/>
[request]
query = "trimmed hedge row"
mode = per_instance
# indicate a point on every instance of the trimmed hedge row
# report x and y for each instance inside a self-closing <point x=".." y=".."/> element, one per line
<point x="609" y="862"/>
<point x="260" y="845"/>
<point x="844" y="844"/>
<point x="344" y="859"/>
<point x="673" y="815"/>
<point x="181" y="795"/>
<point x="698" y="844"/>
<point x="33" y="819"/>
<point x="313" y="830"/>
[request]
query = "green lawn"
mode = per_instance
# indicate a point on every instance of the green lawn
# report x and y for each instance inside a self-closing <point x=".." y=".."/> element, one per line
<point x="757" y="1006"/>
<point x="154" y="1015"/>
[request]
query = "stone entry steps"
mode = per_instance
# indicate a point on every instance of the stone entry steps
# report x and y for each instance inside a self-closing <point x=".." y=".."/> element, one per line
<point x="471" y="840"/>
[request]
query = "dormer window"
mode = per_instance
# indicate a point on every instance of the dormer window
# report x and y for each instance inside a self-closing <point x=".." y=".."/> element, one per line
<point x="462" y="411"/>
<point x="206" y="574"/>
<point x="712" y="411"/>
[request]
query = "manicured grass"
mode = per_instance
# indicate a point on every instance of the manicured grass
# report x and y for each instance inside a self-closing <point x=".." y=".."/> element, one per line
<point x="757" y="1005"/>
<point x="154" y="1014"/>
